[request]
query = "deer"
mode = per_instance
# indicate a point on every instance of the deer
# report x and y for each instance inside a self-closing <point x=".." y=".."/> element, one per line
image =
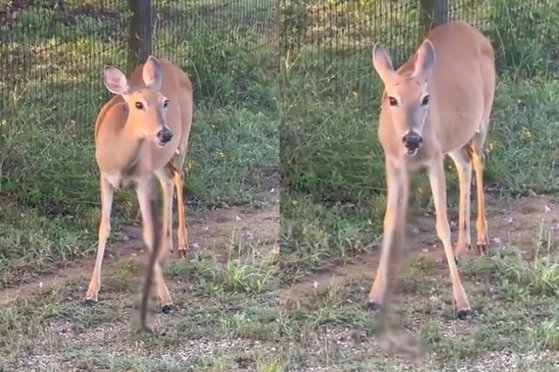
<point x="437" y="103"/>
<point x="141" y="132"/>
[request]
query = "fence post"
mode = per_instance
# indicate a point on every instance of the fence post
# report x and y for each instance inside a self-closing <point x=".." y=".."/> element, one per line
<point x="139" y="32"/>
<point x="433" y="13"/>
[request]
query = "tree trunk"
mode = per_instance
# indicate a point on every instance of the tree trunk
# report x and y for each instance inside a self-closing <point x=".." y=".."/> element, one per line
<point x="139" y="32"/>
<point x="433" y="13"/>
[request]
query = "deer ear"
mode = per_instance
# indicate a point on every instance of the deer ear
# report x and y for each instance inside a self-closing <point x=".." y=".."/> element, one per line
<point x="115" y="81"/>
<point x="425" y="61"/>
<point x="382" y="63"/>
<point x="152" y="73"/>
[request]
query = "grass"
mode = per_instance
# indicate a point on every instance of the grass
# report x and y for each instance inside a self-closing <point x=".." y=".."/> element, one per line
<point x="212" y="330"/>
<point x="516" y="315"/>
<point x="228" y="317"/>
<point x="53" y="91"/>
<point x="335" y="178"/>
<point x="50" y="93"/>
<point x="333" y="195"/>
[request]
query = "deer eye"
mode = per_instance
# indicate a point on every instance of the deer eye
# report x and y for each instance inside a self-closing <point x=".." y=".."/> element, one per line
<point x="392" y="101"/>
<point x="139" y="105"/>
<point x="425" y="100"/>
<point x="166" y="103"/>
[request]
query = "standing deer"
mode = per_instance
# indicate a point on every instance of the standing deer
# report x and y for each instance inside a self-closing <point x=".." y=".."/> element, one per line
<point x="143" y="131"/>
<point x="437" y="103"/>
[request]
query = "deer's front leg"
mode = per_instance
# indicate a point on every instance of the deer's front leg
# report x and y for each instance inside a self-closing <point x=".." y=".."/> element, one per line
<point x="143" y="193"/>
<point x="107" y="193"/>
<point x="396" y="202"/>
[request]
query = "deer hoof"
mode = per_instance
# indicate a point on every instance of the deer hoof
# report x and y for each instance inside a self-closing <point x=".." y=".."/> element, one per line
<point x="167" y="309"/>
<point x="89" y="302"/>
<point x="464" y="314"/>
<point x="482" y="249"/>
<point x="373" y="306"/>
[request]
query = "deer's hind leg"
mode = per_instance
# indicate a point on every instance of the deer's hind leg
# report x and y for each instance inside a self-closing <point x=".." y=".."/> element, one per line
<point x="165" y="179"/>
<point x="182" y="232"/>
<point x="178" y="167"/>
<point x="478" y="158"/>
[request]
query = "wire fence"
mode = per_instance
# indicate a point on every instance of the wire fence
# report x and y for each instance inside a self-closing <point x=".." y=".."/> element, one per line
<point x="53" y="52"/>
<point x="330" y="92"/>
<point x="334" y="38"/>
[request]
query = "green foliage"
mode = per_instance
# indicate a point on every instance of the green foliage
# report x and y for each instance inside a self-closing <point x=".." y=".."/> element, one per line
<point x="334" y="174"/>
<point x="51" y="91"/>
<point x="522" y="35"/>
<point x="333" y="196"/>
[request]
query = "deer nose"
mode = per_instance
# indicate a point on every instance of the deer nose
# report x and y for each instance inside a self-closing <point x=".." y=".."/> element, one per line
<point x="164" y="135"/>
<point x="412" y="140"/>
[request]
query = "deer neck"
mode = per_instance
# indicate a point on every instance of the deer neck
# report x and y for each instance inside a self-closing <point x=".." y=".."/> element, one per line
<point x="135" y="151"/>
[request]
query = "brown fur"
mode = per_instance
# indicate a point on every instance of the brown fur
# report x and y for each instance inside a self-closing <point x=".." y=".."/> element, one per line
<point x="126" y="152"/>
<point x="455" y="66"/>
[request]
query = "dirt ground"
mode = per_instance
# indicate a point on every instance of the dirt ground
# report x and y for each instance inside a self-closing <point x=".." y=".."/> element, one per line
<point x="209" y="231"/>
<point x="342" y="291"/>
<point x="516" y="223"/>
<point x="49" y="328"/>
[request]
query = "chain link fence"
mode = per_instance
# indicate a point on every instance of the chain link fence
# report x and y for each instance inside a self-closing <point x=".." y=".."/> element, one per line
<point x="54" y="51"/>
<point x="331" y="92"/>
<point x="334" y="38"/>
<point x="52" y="54"/>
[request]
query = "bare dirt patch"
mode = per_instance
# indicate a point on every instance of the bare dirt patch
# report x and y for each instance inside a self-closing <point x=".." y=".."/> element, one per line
<point x="208" y="231"/>
<point x="420" y="331"/>
<point x="513" y="222"/>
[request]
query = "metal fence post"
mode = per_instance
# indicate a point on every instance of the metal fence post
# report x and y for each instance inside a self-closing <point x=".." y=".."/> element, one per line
<point x="139" y="32"/>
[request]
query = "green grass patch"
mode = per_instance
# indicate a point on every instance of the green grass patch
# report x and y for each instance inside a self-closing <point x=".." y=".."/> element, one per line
<point x="333" y="195"/>
<point x="230" y="327"/>
<point x="337" y="316"/>
<point x="333" y="190"/>
<point x="51" y="93"/>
